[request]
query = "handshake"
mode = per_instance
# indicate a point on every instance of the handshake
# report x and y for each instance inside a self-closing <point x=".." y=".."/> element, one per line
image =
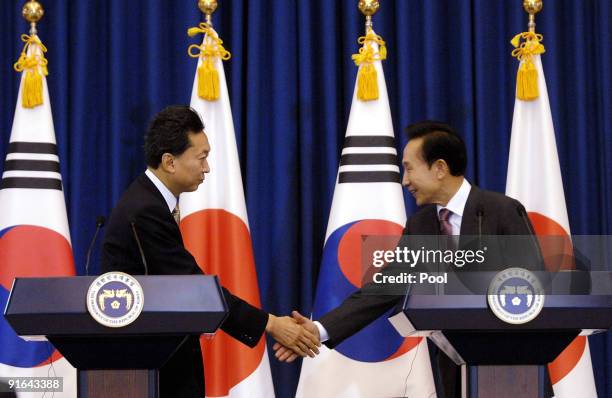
<point x="295" y="336"/>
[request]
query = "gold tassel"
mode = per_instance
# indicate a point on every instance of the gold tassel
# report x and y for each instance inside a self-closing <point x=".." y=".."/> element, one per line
<point x="527" y="75"/>
<point x="31" y="95"/>
<point x="32" y="60"/>
<point x="208" y="81"/>
<point x="209" y="51"/>
<point x="367" y="83"/>
<point x="367" y="77"/>
<point x="527" y="82"/>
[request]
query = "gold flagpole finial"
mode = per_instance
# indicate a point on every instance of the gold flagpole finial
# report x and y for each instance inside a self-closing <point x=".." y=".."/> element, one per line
<point x="368" y="8"/>
<point x="208" y="7"/>
<point x="526" y="46"/>
<point x="209" y="52"/>
<point x="32" y="62"/>
<point x="532" y="7"/>
<point x="32" y="12"/>
<point x="367" y="77"/>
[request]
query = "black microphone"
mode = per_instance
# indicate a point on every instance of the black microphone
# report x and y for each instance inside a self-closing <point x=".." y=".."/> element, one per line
<point x="100" y="220"/>
<point x="532" y="235"/>
<point x="142" y="256"/>
<point x="479" y="215"/>
<point x="523" y="214"/>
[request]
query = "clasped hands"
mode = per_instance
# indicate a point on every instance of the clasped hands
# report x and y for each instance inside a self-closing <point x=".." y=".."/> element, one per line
<point x="295" y="336"/>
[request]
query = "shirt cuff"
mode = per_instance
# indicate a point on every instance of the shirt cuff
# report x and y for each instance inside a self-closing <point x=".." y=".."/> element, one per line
<point x="323" y="336"/>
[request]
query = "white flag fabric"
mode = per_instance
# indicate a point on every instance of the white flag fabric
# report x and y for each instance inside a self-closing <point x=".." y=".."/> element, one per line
<point x="377" y="361"/>
<point x="215" y="230"/>
<point x="534" y="178"/>
<point x="34" y="234"/>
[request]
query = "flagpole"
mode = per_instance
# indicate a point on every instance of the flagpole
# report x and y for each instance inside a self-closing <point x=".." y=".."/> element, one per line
<point x="368" y="8"/>
<point x="532" y="7"/>
<point x="32" y="12"/>
<point x="35" y="205"/>
<point x="208" y="7"/>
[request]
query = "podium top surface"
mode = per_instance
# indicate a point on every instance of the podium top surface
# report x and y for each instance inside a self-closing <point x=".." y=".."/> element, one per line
<point x="173" y="305"/>
<point x="430" y="312"/>
<point x="572" y="300"/>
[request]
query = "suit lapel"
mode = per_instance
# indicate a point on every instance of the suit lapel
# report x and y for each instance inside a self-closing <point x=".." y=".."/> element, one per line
<point x="469" y="221"/>
<point x="152" y="189"/>
<point x="154" y="192"/>
<point x="432" y="224"/>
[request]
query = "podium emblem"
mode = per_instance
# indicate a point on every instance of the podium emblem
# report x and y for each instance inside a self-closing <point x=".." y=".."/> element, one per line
<point x="115" y="299"/>
<point x="515" y="296"/>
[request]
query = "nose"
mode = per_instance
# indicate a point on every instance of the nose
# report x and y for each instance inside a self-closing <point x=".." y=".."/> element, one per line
<point x="405" y="180"/>
<point x="206" y="168"/>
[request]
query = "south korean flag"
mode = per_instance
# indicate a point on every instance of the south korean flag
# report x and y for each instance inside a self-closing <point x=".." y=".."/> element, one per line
<point x="34" y="233"/>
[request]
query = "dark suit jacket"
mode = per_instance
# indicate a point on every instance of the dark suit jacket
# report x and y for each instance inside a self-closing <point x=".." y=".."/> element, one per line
<point x="499" y="217"/>
<point x="144" y="205"/>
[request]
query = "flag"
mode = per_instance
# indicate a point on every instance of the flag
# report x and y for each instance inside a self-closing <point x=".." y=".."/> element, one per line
<point x="34" y="233"/>
<point x="534" y="178"/>
<point x="367" y="200"/>
<point x="215" y="229"/>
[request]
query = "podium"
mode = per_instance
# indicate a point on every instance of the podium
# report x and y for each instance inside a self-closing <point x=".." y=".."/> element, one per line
<point x="116" y="361"/>
<point x="502" y="359"/>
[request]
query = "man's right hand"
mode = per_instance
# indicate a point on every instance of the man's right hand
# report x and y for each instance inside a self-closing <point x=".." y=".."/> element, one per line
<point x="294" y="336"/>
<point x="286" y="354"/>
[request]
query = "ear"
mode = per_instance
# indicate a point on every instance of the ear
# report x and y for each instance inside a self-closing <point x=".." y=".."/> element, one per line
<point x="167" y="163"/>
<point x="441" y="168"/>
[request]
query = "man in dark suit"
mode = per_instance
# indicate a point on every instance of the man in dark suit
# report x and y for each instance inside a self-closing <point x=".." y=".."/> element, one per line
<point x="434" y="162"/>
<point x="176" y="149"/>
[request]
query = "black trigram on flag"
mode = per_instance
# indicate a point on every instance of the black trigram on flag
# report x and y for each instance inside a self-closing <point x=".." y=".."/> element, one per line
<point x="31" y="165"/>
<point x="369" y="158"/>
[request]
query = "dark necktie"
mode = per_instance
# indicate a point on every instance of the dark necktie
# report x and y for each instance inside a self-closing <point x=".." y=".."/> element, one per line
<point x="445" y="226"/>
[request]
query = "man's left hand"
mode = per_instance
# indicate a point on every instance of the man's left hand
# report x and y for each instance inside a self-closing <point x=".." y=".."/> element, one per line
<point x="288" y="332"/>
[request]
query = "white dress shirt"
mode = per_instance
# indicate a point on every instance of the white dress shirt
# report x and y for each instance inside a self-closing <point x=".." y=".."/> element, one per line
<point x="456" y="205"/>
<point x="171" y="200"/>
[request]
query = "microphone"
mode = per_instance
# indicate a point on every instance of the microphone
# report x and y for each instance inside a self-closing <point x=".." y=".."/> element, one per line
<point x="523" y="214"/>
<point x="479" y="215"/>
<point x="142" y="256"/>
<point x="100" y="220"/>
<point x="532" y="235"/>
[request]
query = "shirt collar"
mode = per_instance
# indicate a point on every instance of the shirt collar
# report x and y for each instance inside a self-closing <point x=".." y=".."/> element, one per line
<point x="169" y="197"/>
<point x="457" y="203"/>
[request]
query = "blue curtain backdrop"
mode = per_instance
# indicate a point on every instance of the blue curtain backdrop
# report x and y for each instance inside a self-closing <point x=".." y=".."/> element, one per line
<point x="113" y="64"/>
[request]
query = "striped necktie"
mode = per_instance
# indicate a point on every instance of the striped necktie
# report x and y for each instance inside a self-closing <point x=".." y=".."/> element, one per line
<point x="445" y="226"/>
<point x="176" y="214"/>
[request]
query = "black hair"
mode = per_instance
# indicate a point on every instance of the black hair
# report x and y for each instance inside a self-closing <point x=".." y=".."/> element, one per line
<point x="440" y="141"/>
<point x="169" y="133"/>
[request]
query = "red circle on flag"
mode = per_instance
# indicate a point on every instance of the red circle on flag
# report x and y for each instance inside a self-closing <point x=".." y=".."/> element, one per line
<point x="221" y="245"/>
<point x="555" y="243"/>
<point x="557" y="251"/>
<point x="355" y="263"/>
<point x="33" y="251"/>
<point x="355" y="259"/>
<point x="567" y="360"/>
